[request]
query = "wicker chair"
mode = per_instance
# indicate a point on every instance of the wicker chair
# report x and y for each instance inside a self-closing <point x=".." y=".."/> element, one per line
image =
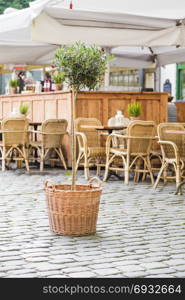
<point x="90" y="150"/>
<point x="135" y="157"/>
<point x="14" y="141"/>
<point x="173" y="151"/>
<point x="51" y="134"/>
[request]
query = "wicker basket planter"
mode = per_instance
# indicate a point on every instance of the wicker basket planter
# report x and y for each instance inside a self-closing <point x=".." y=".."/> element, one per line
<point x="73" y="213"/>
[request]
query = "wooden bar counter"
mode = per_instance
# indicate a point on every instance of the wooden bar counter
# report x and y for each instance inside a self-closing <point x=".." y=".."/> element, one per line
<point x="100" y="104"/>
<point x="180" y="107"/>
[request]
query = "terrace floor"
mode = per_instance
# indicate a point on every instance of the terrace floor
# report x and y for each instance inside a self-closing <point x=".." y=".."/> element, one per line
<point x="140" y="232"/>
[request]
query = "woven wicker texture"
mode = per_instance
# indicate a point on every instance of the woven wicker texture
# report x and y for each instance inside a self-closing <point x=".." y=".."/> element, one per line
<point x="17" y="131"/>
<point x="14" y="140"/>
<point x="73" y="213"/>
<point x="51" y="135"/>
<point x="173" y="151"/>
<point x="178" y="139"/>
<point x="135" y="156"/>
<point x="89" y="143"/>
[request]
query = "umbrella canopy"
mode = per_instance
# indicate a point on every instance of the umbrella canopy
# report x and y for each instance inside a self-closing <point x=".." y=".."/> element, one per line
<point x="57" y="25"/>
<point x="31" y="35"/>
<point x="16" y="45"/>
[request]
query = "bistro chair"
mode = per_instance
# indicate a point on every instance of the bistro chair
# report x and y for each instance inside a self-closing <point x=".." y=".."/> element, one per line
<point x="155" y="154"/>
<point x="173" y="151"/>
<point x="51" y="135"/>
<point x="136" y="155"/>
<point x="14" y="142"/>
<point x="90" y="151"/>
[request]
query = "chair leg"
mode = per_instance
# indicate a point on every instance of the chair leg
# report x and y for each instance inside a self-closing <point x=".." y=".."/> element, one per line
<point x="147" y="163"/>
<point x="86" y="172"/>
<point x="86" y="167"/>
<point x="164" y="165"/>
<point x="108" y="161"/>
<point x="3" y="162"/>
<point x="26" y="159"/>
<point x="127" y="170"/>
<point x="62" y="158"/>
<point x="3" y="159"/>
<point x="41" y="159"/>
<point x="178" y="175"/>
<point x="80" y="155"/>
<point x="106" y="172"/>
<point x="98" y="170"/>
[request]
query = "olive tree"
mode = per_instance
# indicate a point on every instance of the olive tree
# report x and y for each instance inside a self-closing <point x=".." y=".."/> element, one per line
<point x="84" y="67"/>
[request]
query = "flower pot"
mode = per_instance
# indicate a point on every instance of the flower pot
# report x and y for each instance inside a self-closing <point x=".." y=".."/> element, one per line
<point x="13" y="90"/>
<point x="135" y="118"/>
<point x="58" y="86"/>
<point x="73" y="213"/>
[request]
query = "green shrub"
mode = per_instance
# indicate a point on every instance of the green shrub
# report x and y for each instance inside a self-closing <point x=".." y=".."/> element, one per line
<point x="13" y="83"/>
<point x="84" y="66"/>
<point x="134" y="109"/>
<point x="23" y="109"/>
<point x="58" y="77"/>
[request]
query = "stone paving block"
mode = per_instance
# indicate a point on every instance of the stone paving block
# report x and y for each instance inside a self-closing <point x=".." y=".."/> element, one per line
<point x="77" y="269"/>
<point x="108" y="271"/>
<point x="179" y="268"/>
<point x="176" y="262"/>
<point x="22" y="272"/>
<point x="82" y="275"/>
<point x="160" y="276"/>
<point x="161" y="271"/>
<point x="134" y="234"/>
<point x="131" y="268"/>
<point x="137" y="274"/>
<point x="37" y="259"/>
<point x="154" y="265"/>
<point x="153" y="259"/>
<point x="126" y="262"/>
<point x="180" y="274"/>
<point x="48" y="267"/>
<point x="178" y="256"/>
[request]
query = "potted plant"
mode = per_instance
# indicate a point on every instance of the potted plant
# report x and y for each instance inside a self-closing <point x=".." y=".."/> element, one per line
<point x="134" y="110"/>
<point x="73" y="209"/>
<point x="13" y="83"/>
<point x="23" y="109"/>
<point x="58" y="78"/>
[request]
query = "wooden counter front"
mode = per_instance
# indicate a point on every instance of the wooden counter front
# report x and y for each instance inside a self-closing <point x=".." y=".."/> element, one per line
<point x="102" y="105"/>
<point x="180" y="107"/>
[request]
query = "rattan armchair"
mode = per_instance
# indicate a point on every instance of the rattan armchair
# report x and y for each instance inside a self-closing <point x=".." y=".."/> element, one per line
<point x="135" y="156"/>
<point x="90" y="151"/>
<point x="14" y="141"/>
<point x="173" y="151"/>
<point x="51" y="135"/>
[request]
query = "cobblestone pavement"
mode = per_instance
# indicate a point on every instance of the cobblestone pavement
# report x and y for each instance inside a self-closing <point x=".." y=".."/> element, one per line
<point x="140" y="232"/>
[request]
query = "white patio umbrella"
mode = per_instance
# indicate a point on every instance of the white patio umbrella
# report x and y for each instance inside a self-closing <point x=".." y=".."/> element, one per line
<point x="52" y="23"/>
<point x="16" y="45"/>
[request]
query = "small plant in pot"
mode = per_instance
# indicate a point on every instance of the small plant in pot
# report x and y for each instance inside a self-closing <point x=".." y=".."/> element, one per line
<point x="58" y="78"/>
<point x="13" y="84"/>
<point x="134" y="110"/>
<point x="23" y="109"/>
<point x="73" y="209"/>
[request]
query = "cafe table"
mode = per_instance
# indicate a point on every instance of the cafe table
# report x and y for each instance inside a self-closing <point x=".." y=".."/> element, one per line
<point x="109" y="129"/>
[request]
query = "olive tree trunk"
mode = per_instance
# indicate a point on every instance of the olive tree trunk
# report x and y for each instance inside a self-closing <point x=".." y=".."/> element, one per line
<point x="73" y="137"/>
